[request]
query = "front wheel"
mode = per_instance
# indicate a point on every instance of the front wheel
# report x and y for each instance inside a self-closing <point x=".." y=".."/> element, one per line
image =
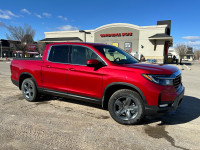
<point x="29" y="90"/>
<point x="126" y="107"/>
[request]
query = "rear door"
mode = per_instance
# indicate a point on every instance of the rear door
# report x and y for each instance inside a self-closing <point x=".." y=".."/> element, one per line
<point x="81" y="79"/>
<point x="54" y="69"/>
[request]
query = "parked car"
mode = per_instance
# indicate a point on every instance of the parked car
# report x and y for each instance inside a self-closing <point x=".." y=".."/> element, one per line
<point x="102" y="74"/>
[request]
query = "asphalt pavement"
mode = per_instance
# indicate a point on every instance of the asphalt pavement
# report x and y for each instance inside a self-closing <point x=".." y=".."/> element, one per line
<point x="57" y="123"/>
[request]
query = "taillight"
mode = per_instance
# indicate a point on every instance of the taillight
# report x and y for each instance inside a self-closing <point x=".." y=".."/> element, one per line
<point x="11" y="67"/>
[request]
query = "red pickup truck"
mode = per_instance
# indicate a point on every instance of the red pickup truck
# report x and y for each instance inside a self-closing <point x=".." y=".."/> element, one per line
<point x="102" y="74"/>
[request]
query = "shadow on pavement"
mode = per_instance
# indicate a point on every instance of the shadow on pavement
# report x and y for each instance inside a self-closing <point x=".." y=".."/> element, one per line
<point x="188" y="110"/>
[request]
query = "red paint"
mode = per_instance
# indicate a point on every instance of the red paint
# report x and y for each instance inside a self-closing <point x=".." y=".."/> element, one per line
<point x="166" y="47"/>
<point x="87" y="81"/>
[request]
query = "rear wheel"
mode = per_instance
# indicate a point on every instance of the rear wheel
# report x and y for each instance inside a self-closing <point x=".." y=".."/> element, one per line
<point x="126" y="107"/>
<point x="29" y="90"/>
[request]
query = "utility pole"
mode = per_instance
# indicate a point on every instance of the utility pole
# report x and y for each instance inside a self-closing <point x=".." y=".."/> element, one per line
<point x="1" y="49"/>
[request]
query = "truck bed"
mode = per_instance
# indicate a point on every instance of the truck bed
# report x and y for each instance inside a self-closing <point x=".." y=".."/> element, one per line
<point x="28" y="58"/>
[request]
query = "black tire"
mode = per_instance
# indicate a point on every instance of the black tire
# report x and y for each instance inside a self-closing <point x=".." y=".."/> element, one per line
<point x="29" y="90"/>
<point x="126" y="107"/>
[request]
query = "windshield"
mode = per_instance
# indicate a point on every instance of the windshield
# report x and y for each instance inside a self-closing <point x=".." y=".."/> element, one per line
<point x="116" y="55"/>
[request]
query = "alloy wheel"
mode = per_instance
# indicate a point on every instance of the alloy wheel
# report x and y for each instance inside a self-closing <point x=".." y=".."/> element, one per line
<point x="126" y="108"/>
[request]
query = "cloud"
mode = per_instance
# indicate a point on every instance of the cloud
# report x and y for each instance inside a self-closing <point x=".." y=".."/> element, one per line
<point x="194" y="43"/>
<point x="46" y="14"/>
<point x="7" y="14"/>
<point x="37" y="15"/>
<point x="26" y="11"/>
<point x="11" y="14"/>
<point x="63" y="18"/>
<point x="191" y="38"/>
<point x="67" y="28"/>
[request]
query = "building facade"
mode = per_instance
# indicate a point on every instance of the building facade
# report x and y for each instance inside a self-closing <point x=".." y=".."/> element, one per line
<point x="6" y="48"/>
<point x="150" y="41"/>
<point x="11" y="48"/>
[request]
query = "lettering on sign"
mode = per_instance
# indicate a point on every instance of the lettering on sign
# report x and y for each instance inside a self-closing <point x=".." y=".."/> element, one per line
<point x="116" y="34"/>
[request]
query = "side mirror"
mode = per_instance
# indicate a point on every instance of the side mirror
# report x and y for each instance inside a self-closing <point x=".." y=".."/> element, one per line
<point x="93" y="63"/>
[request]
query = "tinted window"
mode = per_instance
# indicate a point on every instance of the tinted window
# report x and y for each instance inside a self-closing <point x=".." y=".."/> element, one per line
<point x="80" y="55"/>
<point x="59" y="54"/>
<point x="116" y="55"/>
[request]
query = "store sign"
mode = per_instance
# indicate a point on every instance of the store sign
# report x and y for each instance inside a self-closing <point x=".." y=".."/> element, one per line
<point x="31" y="47"/>
<point x="116" y="34"/>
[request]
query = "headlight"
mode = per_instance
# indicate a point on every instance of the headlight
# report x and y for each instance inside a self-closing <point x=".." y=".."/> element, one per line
<point x="159" y="79"/>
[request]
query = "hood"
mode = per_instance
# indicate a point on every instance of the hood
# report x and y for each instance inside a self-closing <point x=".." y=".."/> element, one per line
<point x="153" y="68"/>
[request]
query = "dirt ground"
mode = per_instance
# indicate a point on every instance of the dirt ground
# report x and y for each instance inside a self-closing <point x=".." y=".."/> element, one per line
<point x="57" y="123"/>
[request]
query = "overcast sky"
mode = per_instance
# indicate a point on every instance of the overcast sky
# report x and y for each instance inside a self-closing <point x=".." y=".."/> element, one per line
<point x="55" y="15"/>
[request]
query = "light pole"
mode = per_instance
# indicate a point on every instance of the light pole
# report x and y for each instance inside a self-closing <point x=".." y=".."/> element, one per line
<point x="1" y="49"/>
<point x="84" y="34"/>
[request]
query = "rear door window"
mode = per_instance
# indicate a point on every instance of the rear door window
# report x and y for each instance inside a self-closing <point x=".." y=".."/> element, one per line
<point x="59" y="54"/>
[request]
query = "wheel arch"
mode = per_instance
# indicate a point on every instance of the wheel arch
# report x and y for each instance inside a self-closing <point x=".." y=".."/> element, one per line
<point x="111" y="88"/>
<point x="24" y="76"/>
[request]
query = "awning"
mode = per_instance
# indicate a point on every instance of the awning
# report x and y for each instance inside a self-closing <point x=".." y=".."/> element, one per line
<point x="32" y="53"/>
<point x="161" y="36"/>
<point x="17" y="52"/>
<point x="63" y="39"/>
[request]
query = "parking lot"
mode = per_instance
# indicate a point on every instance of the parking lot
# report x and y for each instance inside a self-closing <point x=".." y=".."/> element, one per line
<point x="57" y="123"/>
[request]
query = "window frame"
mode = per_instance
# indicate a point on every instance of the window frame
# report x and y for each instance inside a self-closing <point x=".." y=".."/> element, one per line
<point x="70" y="55"/>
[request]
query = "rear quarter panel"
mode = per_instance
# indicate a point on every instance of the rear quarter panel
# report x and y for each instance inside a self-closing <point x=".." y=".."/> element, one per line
<point x="32" y="67"/>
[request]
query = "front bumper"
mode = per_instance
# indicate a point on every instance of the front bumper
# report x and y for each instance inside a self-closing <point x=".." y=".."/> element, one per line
<point x="150" y="110"/>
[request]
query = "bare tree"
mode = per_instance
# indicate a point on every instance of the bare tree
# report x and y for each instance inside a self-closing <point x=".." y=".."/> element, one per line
<point x="197" y="54"/>
<point x="20" y="36"/>
<point x="41" y="46"/>
<point x="181" y="50"/>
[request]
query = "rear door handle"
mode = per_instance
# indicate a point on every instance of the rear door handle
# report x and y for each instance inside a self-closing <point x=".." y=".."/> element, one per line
<point x="72" y="69"/>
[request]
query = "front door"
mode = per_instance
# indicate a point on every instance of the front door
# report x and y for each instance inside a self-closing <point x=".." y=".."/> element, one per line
<point x="81" y="79"/>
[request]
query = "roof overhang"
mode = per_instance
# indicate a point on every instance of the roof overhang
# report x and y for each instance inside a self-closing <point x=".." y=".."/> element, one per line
<point x="64" y="39"/>
<point x="161" y="36"/>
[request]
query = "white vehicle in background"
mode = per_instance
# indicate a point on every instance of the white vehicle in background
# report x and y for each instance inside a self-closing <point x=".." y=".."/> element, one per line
<point x="136" y="55"/>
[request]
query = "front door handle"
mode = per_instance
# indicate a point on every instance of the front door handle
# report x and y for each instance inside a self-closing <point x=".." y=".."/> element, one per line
<point x="71" y="69"/>
<point x="48" y="66"/>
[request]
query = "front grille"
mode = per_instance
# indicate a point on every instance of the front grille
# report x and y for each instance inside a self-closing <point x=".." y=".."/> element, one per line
<point x="177" y="81"/>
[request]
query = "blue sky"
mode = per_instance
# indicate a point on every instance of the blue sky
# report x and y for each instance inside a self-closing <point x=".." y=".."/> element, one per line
<point x="55" y="15"/>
